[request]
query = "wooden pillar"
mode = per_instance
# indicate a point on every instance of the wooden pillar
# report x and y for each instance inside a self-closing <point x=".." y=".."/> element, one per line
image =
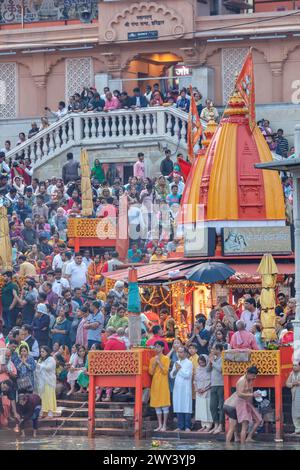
<point x="76" y="245"/>
<point x="227" y="392"/>
<point x="92" y="401"/>
<point x="138" y="408"/>
<point x="278" y="408"/>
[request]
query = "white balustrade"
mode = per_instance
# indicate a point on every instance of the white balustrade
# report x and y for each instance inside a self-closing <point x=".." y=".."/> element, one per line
<point x="93" y="127"/>
<point x="169" y="124"/>
<point x="113" y="126"/>
<point x="64" y="134"/>
<point x="51" y="142"/>
<point x="176" y="127"/>
<point x="148" y="125"/>
<point x="116" y="126"/>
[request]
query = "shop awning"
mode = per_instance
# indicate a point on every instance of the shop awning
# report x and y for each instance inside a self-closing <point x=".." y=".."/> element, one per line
<point x="251" y="268"/>
<point x="173" y="271"/>
<point x="155" y="272"/>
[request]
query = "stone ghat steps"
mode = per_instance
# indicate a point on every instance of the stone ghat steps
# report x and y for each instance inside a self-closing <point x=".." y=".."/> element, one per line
<point x="82" y="423"/>
<point x="66" y="403"/>
<point x="100" y="412"/>
<point x="194" y="435"/>
<point x="78" y="431"/>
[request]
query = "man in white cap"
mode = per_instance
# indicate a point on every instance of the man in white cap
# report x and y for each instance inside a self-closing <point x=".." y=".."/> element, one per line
<point x="40" y="325"/>
<point x="118" y="292"/>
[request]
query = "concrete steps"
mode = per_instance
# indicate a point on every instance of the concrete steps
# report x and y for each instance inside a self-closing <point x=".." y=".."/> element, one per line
<point x="82" y="423"/>
<point x="75" y="431"/>
<point x="111" y="418"/>
<point x="100" y="413"/>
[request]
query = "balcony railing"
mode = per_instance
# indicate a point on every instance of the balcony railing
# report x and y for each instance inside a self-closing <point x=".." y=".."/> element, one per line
<point x="86" y="129"/>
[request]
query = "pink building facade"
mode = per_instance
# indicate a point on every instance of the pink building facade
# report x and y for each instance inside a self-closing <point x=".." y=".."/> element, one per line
<point x="173" y="42"/>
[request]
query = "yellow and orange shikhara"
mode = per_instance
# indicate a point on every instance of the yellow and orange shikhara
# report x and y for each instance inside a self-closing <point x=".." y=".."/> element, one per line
<point x="245" y="85"/>
<point x="194" y="127"/>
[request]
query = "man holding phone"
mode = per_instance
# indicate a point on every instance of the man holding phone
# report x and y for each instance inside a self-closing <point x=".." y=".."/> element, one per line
<point x="61" y="112"/>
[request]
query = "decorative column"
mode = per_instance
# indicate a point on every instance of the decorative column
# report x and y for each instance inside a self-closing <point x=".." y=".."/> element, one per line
<point x="114" y="69"/>
<point x="134" y="308"/>
<point x="40" y="82"/>
<point x="296" y="207"/>
<point x="277" y="82"/>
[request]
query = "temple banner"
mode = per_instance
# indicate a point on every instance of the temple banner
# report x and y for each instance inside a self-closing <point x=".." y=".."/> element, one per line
<point x="199" y="241"/>
<point x="256" y="240"/>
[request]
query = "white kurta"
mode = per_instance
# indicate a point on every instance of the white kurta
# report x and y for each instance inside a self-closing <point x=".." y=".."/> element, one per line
<point x="182" y="392"/>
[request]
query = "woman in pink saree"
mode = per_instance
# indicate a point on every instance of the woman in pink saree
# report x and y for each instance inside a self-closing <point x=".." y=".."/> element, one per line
<point x="81" y="335"/>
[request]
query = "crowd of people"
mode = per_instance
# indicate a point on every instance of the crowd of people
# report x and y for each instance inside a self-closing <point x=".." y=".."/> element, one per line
<point x="55" y="307"/>
<point x="90" y="100"/>
<point x="51" y="322"/>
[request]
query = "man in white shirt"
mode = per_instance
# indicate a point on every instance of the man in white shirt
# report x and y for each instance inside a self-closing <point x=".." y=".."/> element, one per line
<point x="178" y="182"/>
<point x="57" y="261"/>
<point x="7" y="147"/>
<point x="114" y="262"/>
<point x="67" y="259"/>
<point x="76" y="272"/>
<point x="87" y="258"/>
<point x="4" y="168"/>
<point x="61" y="112"/>
<point x="250" y="314"/>
<point x="60" y="283"/>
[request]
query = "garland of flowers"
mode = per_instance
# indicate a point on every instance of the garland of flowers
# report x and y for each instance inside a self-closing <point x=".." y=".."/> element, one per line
<point x="149" y="301"/>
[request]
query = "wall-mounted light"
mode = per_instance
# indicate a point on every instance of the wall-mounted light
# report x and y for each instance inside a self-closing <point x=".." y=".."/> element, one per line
<point x="36" y="51"/>
<point x="8" y="53"/>
<point x="271" y="36"/>
<point x="225" y="39"/>
<point x="75" y="48"/>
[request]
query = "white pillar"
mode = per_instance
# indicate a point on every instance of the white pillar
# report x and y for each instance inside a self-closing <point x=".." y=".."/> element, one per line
<point x="101" y="81"/>
<point x="115" y="84"/>
<point x="204" y="79"/>
<point x="296" y="210"/>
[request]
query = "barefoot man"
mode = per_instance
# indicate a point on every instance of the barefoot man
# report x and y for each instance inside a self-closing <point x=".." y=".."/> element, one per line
<point x="245" y="411"/>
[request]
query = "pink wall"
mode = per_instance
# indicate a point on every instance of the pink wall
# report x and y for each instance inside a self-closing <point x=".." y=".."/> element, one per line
<point x="27" y="97"/>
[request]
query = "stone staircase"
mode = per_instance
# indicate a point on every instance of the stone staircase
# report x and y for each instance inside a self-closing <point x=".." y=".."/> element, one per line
<point x="112" y="137"/>
<point x="112" y="419"/>
<point x="116" y="419"/>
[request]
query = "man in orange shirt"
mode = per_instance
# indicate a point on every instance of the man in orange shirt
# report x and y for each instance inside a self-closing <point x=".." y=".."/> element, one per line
<point x="152" y="317"/>
<point x="95" y="269"/>
<point x="167" y="323"/>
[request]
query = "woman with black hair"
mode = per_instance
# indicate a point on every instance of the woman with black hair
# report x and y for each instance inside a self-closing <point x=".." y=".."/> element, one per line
<point x="46" y="381"/>
<point x="25" y="365"/>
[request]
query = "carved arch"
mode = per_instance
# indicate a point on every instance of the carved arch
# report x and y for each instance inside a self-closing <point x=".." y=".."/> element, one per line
<point x="158" y="8"/>
<point x="178" y="29"/>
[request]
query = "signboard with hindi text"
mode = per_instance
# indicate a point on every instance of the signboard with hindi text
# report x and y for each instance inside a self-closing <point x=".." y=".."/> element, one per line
<point x="256" y="240"/>
<point x="142" y="35"/>
<point x="199" y="241"/>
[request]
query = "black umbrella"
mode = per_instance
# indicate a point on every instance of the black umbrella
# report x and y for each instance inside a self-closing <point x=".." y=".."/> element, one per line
<point x="207" y="273"/>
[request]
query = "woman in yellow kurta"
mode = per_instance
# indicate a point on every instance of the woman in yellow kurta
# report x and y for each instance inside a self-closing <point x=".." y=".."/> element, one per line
<point x="193" y="357"/>
<point x="160" y="391"/>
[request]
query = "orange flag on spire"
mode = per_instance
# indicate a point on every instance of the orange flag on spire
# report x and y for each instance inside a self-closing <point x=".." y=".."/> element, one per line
<point x="245" y="85"/>
<point x="194" y="127"/>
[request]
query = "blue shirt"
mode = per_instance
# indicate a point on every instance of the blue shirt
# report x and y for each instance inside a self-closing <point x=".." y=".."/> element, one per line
<point x="173" y="199"/>
<point x="95" y="335"/>
<point x="134" y="256"/>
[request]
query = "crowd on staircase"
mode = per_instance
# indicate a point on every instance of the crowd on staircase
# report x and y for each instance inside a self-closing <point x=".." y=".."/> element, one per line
<point x="55" y="308"/>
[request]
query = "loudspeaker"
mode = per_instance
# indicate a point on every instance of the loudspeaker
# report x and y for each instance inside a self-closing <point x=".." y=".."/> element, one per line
<point x="86" y="16"/>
